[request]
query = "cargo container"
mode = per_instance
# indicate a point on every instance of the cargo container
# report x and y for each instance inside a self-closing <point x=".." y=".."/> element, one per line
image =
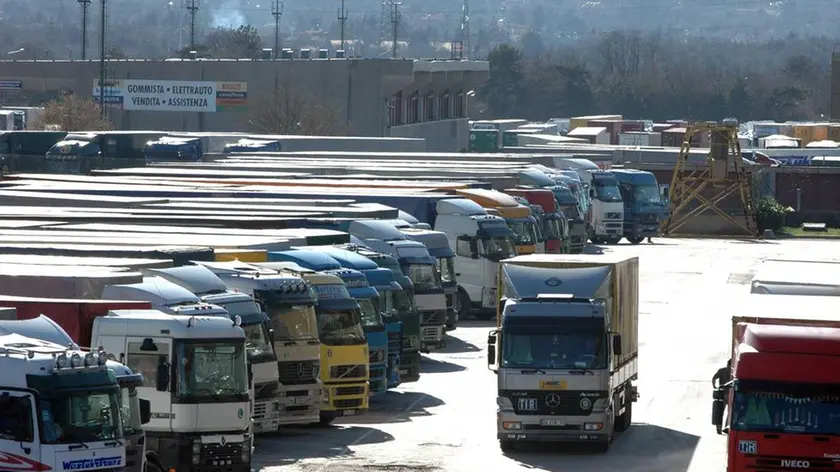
<point x="62" y="281"/>
<point x="639" y="138"/>
<point x="484" y="140"/>
<point x="178" y="255"/>
<point x="583" y="121"/>
<point x="593" y="135"/>
<point x="583" y="312"/>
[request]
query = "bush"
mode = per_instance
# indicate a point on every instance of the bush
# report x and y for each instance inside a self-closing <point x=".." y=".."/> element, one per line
<point x="770" y="214"/>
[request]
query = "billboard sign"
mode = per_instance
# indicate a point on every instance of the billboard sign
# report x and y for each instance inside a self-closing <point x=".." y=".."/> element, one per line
<point x="173" y="95"/>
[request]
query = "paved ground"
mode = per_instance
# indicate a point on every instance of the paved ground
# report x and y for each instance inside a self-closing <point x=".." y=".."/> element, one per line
<point x="446" y="421"/>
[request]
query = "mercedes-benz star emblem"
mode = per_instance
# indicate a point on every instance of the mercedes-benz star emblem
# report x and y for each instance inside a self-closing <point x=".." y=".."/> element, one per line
<point x="585" y="403"/>
<point x="552" y="400"/>
<point x="300" y="370"/>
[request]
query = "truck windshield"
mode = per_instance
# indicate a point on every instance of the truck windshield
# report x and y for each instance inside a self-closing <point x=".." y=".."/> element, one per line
<point x="404" y="302"/>
<point x="81" y="417"/>
<point x="572" y="212"/>
<point x="523" y="232"/>
<point x="553" y="229"/>
<point x="446" y="269"/>
<point x="646" y="194"/>
<point x="387" y="305"/>
<point x="371" y="317"/>
<point x="210" y="371"/>
<point x="496" y="248"/>
<point x="570" y="350"/>
<point x="606" y="190"/>
<point x="424" y="277"/>
<point x="774" y="410"/>
<point x="290" y="322"/>
<point x="564" y="196"/>
<point x="258" y="343"/>
<point x="242" y="308"/>
<point x="130" y="411"/>
<point x="340" y="327"/>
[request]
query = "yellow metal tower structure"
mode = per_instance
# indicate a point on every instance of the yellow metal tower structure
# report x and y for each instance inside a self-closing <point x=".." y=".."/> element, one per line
<point x="696" y="188"/>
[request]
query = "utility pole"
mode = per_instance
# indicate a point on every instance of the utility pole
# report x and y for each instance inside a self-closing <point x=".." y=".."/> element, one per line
<point x="342" y="18"/>
<point x="85" y="5"/>
<point x="277" y="13"/>
<point x="465" y="29"/>
<point x="192" y="7"/>
<point x="395" y="25"/>
<point x="103" y="31"/>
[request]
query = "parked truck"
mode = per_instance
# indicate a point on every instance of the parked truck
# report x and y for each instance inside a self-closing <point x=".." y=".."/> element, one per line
<point x="213" y="291"/>
<point x="366" y="296"/>
<point x="555" y="226"/>
<point x="41" y="383"/>
<point x="644" y="210"/>
<point x="408" y="344"/>
<point x="134" y="411"/>
<point x="518" y="217"/>
<point x="288" y="301"/>
<point x="565" y="348"/>
<point x="344" y="352"/>
<point x="781" y="400"/>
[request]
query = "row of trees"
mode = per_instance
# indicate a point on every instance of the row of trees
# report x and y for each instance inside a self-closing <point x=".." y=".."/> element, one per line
<point x="645" y="75"/>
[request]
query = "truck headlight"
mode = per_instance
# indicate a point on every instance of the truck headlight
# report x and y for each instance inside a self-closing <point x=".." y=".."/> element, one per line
<point x="380" y="356"/>
<point x="511" y="425"/>
<point x="316" y="370"/>
<point x="504" y="404"/>
<point x="593" y="426"/>
<point x="196" y="452"/>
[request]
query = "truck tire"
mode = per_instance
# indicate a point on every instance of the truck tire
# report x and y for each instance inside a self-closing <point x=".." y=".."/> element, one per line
<point x="507" y="446"/>
<point x="612" y="241"/>
<point x="635" y="240"/>
<point x="463" y="305"/>
<point x="626" y="419"/>
<point x="153" y="467"/>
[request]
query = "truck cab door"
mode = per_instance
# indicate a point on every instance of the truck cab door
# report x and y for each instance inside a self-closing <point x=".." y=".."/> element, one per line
<point x="144" y="355"/>
<point x="19" y="437"/>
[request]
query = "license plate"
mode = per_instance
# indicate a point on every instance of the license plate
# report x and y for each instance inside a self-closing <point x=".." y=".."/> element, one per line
<point x="349" y="412"/>
<point x="527" y="404"/>
<point x="403" y="371"/>
<point x="552" y="423"/>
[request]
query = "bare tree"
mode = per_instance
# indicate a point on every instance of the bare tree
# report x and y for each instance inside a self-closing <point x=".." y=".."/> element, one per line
<point x="71" y="112"/>
<point x="293" y="109"/>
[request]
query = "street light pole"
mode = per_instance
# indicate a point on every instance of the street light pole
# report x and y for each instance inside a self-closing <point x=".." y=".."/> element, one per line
<point x="85" y="5"/>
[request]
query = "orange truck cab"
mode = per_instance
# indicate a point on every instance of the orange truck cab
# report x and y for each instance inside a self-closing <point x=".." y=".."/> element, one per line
<point x="517" y="216"/>
<point x="783" y="399"/>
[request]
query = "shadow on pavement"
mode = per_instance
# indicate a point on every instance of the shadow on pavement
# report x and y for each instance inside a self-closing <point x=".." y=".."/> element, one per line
<point x="642" y="448"/>
<point x="434" y="366"/>
<point x="489" y="324"/>
<point x="593" y="249"/>
<point x="753" y="241"/>
<point x="294" y="443"/>
<point x="395" y="407"/>
<point x="455" y="345"/>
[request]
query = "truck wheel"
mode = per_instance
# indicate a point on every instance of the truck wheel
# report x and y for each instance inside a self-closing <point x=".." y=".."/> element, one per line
<point x="635" y="240"/>
<point x="596" y="240"/>
<point x="612" y="241"/>
<point x="507" y="446"/>
<point x="623" y="423"/>
<point x="153" y="467"/>
<point x="462" y="304"/>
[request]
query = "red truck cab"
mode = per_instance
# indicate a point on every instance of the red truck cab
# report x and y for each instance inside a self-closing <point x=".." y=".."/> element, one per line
<point x="556" y="238"/>
<point x="784" y="398"/>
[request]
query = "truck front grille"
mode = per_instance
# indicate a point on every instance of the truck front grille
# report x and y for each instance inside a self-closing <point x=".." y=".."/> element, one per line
<point x="219" y="455"/>
<point x="348" y="403"/>
<point x="394" y="341"/>
<point x="259" y="411"/>
<point x="566" y="403"/>
<point x="437" y="317"/>
<point x="348" y="391"/>
<point x="348" y="371"/>
<point x="613" y="216"/>
<point x="296" y="373"/>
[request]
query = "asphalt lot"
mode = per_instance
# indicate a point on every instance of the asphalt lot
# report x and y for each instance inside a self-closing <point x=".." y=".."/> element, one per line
<point x="446" y="421"/>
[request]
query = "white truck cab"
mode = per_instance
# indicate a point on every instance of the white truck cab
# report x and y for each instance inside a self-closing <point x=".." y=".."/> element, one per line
<point x="480" y="241"/>
<point x="197" y="381"/>
<point x="59" y="408"/>
<point x="212" y="290"/>
<point x="165" y="296"/>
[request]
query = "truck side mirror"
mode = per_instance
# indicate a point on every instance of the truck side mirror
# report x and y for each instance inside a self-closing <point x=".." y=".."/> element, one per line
<point x="491" y="349"/>
<point x="616" y="344"/>
<point x="591" y="193"/>
<point x="162" y="380"/>
<point x="473" y="248"/>
<point x="145" y="411"/>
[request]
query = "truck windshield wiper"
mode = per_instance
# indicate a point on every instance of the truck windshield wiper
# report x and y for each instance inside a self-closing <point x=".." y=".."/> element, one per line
<point x="581" y="371"/>
<point x="79" y="445"/>
<point x="117" y="442"/>
<point x="237" y="394"/>
<point x="532" y="371"/>
<point x="210" y="391"/>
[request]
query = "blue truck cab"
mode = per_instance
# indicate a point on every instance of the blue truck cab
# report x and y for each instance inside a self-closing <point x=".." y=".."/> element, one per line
<point x="406" y="309"/>
<point x="173" y="149"/>
<point x="643" y="205"/>
<point x="367" y="297"/>
<point x="385" y="283"/>
<point x="253" y="145"/>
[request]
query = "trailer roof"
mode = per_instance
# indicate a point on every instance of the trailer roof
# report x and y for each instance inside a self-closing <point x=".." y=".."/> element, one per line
<point x="19" y="224"/>
<point x="84" y="261"/>
<point x="798" y="273"/>
<point x="143" y="239"/>
<point x="796" y="308"/>
<point x="10" y="197"/>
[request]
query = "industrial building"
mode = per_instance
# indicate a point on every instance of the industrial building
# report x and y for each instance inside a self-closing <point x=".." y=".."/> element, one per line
<point x="374" y="97"/>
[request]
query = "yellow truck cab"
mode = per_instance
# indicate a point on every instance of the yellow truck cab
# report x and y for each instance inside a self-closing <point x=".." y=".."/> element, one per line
<point x="345" y="369"/>
<point x="518" y="216"/>
<point x="241" y="255"/>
